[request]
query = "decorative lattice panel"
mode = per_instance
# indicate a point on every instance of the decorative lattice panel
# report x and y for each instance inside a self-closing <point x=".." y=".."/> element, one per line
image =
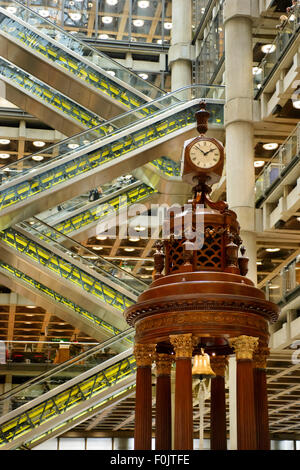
<point x="211" y="254"/>
<point x="176" y="254"/>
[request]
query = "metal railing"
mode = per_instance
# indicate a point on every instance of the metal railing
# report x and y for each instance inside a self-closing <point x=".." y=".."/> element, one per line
<point x="285" y="156"/>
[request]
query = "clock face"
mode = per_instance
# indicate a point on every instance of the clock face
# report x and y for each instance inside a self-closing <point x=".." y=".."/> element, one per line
<point x="205" y="154"/>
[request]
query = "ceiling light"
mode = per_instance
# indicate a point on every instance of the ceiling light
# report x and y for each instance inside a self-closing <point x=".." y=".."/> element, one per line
<point x="101" y="237"/>
<point x="111" y="2"/>
<point x="137" y="239"/>
<point x="143" y="75"/>
<point x="107" y="19"/>
<point x="138" y="23"/>
<point x="159" y="41"/>
<point x="4" y="141"/>
<point x="259" y="263"/>
<point x="256" y="70"/>
<point x="149" y="268"/>
<point x="30" y="306"/>
<point x="143" y="3"/>
<point x="268" y="48"/>
<point x="97" y="248"/>
<point x="259" y="163"/>
<point x="103" y="36"/>
<point x="271" y="146"/>
<point x="129" y="249"/>
<point x="296" y="99"/>
<point x="73" y="146"/>
<point x="39" y="143"/>
<point x="139" y="228"/>
<point x="37" y="158"/>
<point x="168" y="25"/>
<point x="111" y="72"/>
<point x="11" y="9"/>
<point x="75" y="16"/>
<point x="273" y="287"/>
<point x="298" y="219"/>
<point x="272" y="250"/>
<point x="44" y="13"/>
<point x="4" y="155"/>
<point x="145" y="276"/>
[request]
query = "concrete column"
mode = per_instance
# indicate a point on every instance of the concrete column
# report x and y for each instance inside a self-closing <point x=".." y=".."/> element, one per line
<point x="238" y="121"/>
<point x="180" y="52"/>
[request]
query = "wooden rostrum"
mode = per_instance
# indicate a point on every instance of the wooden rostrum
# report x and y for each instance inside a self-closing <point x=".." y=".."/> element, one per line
<point x="202" y="298"/>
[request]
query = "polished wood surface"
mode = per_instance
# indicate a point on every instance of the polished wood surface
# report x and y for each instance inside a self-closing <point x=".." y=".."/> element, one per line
<point x="183" y="427"/>
<point x="143" y="409"/>
<point x="261" y="409"/>
<point x="246" y="422"/>
<point x="163" y="432"/>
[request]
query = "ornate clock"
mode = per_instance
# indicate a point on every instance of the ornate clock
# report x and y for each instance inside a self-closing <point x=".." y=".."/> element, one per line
<point x="203" y="157"/>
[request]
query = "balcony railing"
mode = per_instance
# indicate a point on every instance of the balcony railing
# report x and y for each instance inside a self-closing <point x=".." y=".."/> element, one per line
<point x="287" y="32"/>
<point x="285" y="157"/>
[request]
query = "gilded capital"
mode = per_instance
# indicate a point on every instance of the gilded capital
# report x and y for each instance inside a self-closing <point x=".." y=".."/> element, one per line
<point x="183" y="345"/>
<point x="218" y="364"/>
<point x="144" y="354"/>
<point x="260" y="357"/>
<point x="244" y="346"/>
<point x="164" y="363"/>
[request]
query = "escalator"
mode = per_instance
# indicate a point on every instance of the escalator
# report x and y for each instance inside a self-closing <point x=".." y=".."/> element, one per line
<point x="47" y="104"/>
<point x="72" y="270"/>
<point x="68" y="394"/>
<point x="66" y="64"/>
<point x="89" y="159"/>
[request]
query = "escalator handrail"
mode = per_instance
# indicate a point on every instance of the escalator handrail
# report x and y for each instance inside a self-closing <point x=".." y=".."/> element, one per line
<point x="64" y="365"/>
<point x="108" y="123"/>
<point x="86" y="46"/>
<point x="66" y="385"/>
<point x="114" y="266"/>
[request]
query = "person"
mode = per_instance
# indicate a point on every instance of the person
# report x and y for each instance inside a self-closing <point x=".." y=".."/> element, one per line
<point x="283" y="22"/>
<point x="294" y="7"/>
<point x="94" y="195"/>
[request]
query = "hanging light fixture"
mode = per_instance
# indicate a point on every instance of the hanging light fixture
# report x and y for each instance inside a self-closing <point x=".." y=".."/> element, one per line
<point x="201" y="368"/>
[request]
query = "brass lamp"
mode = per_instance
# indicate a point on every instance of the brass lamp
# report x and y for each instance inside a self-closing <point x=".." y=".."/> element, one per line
<point x="201" y="368"/>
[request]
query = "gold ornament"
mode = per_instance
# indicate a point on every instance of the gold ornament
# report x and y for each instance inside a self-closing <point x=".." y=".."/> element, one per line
<point x="144" y="354"/>
<point x="183" y="345"/>
<point x="244" y="346"/>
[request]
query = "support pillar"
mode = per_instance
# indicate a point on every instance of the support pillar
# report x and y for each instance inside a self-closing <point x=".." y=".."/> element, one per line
<point x="261" y="397"/>
<point x="244" y="347"/>
<point x="144" y="355"/>
<point x="218" y="437"/>
<point x="183" y="429"/>
<point x="163" y="432"/>
<point x="180" y="52"/>
<point x="240" y="172"/>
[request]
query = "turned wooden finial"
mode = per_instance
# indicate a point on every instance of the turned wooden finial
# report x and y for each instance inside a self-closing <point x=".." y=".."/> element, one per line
<point x="231" y="254"/>
<point x="159" y="260"/>
<point x="243" y="262"/>
<point x="202" y="116"/>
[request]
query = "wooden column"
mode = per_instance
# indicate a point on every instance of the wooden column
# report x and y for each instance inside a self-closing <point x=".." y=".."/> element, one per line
<point x="218" y="438"/>
<point x="261" y="397"/>
<point x="246" y="423"/>
<point x="183" y="427"/>
<point x="163" y="433"/>
<point x="144" y="354"/>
